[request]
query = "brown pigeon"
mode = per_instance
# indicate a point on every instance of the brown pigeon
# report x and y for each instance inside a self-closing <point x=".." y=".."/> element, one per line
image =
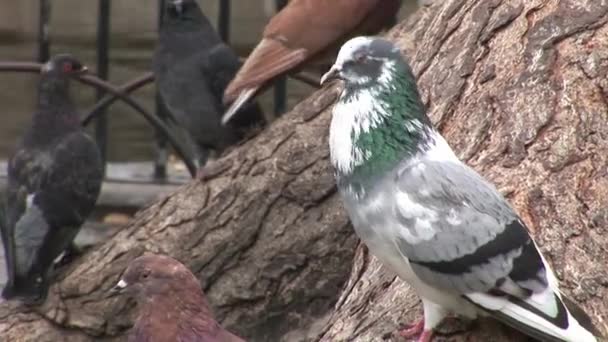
<point x="302" y="31"/>
<point x="172" y="306"/>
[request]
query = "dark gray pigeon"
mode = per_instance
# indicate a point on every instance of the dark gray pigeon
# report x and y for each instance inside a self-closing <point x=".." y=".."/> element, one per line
<point x="172" y="306"/>
<point x="54" y="178"/>
<point x="193" y="67"/>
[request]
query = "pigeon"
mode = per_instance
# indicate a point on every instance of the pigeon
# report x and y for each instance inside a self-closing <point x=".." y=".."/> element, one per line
<point x="304" y="31"/>
<point x="172" y="306"/>
<point x="192" y="67"/>
<point x="54" y="179"/>
<point x="429" y="217"/>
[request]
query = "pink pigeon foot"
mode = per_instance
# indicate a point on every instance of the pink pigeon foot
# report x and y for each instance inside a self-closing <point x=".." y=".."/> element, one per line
<point x="413" y="330"/>
<point x="201" y="174"/>
<point x="426" y="336"/>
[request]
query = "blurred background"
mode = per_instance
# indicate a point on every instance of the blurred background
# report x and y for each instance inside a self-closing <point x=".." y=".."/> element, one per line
<point x="73" y="25"/>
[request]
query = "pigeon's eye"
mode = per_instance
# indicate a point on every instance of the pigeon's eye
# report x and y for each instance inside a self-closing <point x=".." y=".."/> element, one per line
<point x="359" y="58"/>
<point x="145" y="274"/>
<point x="67" y="67"/>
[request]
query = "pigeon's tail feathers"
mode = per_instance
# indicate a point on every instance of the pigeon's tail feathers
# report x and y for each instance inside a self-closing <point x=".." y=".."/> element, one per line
<point x="240" y="101"/>
<point x="271" y="58"/>
<point x="542" y="315"/>
<point x="545" y="315"/>
<point x="581" y="316"/>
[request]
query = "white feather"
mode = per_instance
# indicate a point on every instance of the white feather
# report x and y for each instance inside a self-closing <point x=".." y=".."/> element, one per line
<point x="244" y="96"/>
<point x="29" y="200"/>
<point x="349" y="120"/>
<point x="440" y="150"/>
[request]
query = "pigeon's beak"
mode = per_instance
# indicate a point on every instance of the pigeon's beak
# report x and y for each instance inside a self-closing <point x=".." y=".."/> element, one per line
<point x="332" y="74"/>
<point x="83" y="70"/>
<point x="119" y="287"/>
<point x="178" y="4"/>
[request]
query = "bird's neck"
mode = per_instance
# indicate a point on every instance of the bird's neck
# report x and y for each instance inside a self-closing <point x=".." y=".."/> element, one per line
<point x="53" y="92"/>
<point x="188" y="311"/>
<point x="375" y="128"/>
<point x="190" y="302"/>
<point x="180" y="44"/>
<point x="55" y="112"/>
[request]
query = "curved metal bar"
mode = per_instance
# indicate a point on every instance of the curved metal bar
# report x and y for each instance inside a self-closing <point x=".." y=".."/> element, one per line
<point x="20" y="66"/>
<point x="107" y="100"/>
<point x="152" y="119"/>
<point x="96" y="82"/>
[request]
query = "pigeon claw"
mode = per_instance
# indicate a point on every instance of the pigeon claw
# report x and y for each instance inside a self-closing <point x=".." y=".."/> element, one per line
<point x="417" y="330"/>
<point x="426" y="336"/>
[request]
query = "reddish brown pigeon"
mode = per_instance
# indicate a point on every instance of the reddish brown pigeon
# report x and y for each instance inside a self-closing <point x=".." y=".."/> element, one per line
<point x="302" y="31"/>
<point x="172" y="306"/>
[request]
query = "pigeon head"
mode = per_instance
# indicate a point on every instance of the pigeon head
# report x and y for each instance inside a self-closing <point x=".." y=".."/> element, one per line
<point x="53" y="88"/>
<point x="364" y="61"/>
<point x="180" y="10"/>
<point x="150" y="276"/>
<point x="63" y="65"/>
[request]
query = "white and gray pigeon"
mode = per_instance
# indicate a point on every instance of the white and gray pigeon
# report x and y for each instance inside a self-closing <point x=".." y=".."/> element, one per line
<point x="54" y="178"/>
<point x="429" y="217"/>
<point x="193" y="67"/>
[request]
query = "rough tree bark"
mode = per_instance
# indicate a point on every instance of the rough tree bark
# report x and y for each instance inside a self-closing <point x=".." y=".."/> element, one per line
<point x="517" y="86"/>
<point x="519" y="89"/>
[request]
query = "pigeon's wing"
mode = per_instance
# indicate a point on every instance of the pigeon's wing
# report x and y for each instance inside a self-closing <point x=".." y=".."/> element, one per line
<point x="219" y="67"/>
<point x="50" y="194"/>
<point x="26" y="173"/>
<point x="24" y="226"/>
<point x="73" y="183"/>
<point x="460" y="235"/>
<point x="192" y="105"/>
<point x="13" y="207"/>
<point x="299" y="31"/>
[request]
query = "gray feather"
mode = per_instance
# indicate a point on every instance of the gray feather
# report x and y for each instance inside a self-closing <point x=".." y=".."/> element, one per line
<point x="476" y="236"/>
<point x="29" y="234"/>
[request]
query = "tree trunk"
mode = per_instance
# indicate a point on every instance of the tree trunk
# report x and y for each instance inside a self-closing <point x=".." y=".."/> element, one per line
<point x="519" y="90"/>
<point x="517" y="87"/>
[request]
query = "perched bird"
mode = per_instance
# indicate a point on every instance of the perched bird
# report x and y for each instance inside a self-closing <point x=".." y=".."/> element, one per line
<point x="172" y="306"/>
<point x="192" y="67"/>
<point x="432" y="219"/>
<point x="54" y="178"/>
<point x="303" y="31"/>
